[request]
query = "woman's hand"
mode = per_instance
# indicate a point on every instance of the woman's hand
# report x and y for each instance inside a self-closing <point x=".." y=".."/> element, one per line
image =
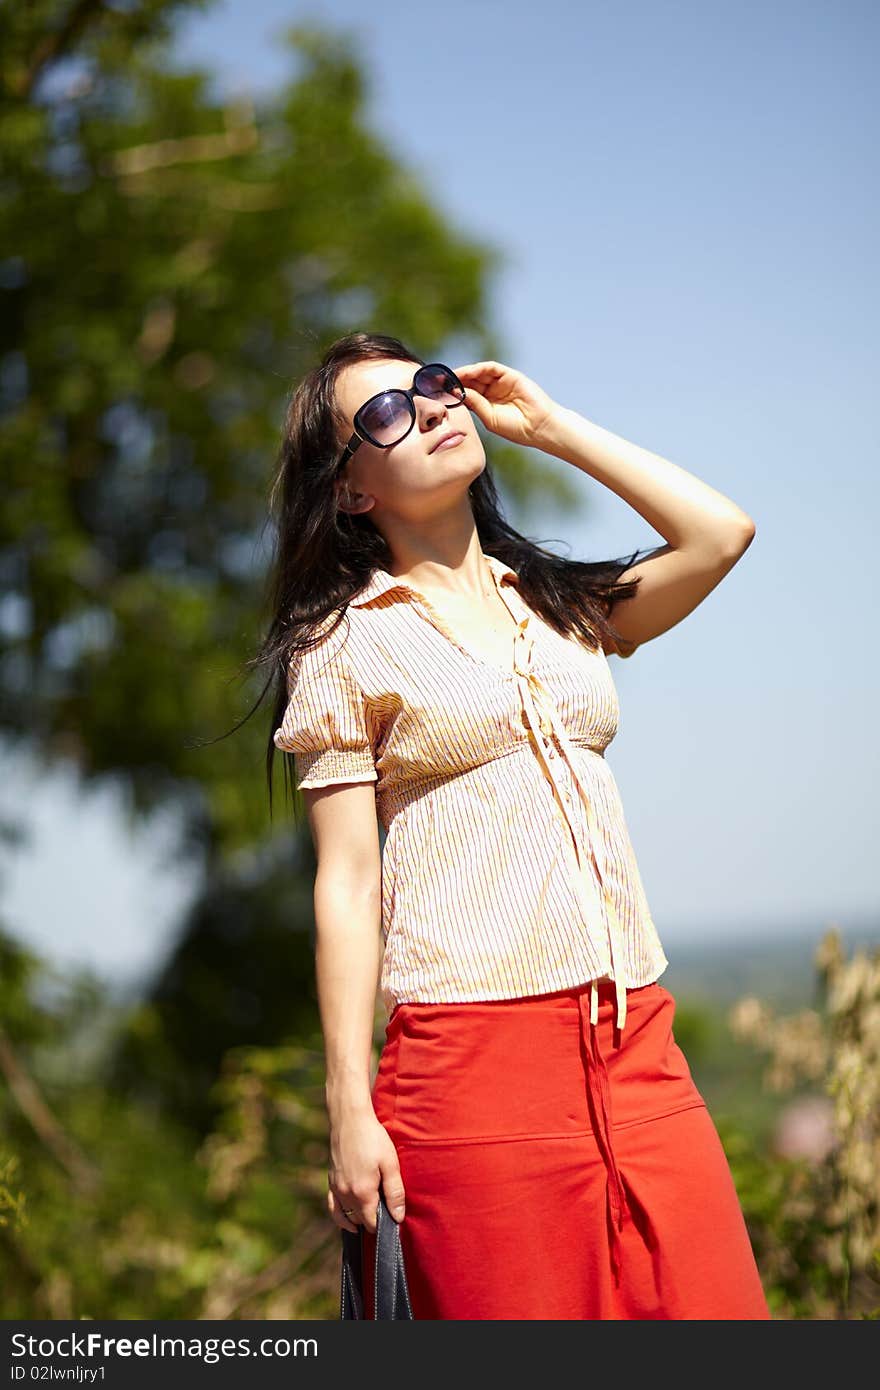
<point x="363" y="1157"/>
<point x="507" y="402"/>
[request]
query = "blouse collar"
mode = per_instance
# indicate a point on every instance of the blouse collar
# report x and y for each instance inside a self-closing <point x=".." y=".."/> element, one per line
<point x="380" y="582"/>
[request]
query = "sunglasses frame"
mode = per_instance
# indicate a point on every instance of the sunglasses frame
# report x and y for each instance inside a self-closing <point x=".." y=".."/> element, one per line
<point x="362" y="434"/>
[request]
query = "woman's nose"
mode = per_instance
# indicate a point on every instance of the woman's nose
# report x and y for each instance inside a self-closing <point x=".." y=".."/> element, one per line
<point x="430" y="412"/>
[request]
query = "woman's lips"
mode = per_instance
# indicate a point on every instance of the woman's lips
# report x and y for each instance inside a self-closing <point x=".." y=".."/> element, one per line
<point x="449" y="443"/>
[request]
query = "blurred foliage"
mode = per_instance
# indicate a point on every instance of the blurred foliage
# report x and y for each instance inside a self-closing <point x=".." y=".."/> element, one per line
<point x="817" y="1223"/>
<point x="239" y="976"/>
<point x="111" y="1208"/>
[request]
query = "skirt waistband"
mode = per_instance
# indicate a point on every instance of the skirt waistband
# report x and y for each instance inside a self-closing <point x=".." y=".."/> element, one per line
<point x="603" y="992"/>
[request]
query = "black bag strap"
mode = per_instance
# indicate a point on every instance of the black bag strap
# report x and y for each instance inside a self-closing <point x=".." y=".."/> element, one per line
<point x="391" y="1291"/>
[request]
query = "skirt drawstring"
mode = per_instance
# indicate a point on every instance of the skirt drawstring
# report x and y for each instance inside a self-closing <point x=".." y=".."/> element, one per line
<point x="600" y="1092"/>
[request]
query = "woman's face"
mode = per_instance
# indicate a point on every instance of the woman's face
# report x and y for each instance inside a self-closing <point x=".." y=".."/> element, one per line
<point x="410" y="480"/>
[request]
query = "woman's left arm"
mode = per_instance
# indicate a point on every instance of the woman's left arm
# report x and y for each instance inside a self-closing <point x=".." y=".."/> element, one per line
<point x="706" y="533"/>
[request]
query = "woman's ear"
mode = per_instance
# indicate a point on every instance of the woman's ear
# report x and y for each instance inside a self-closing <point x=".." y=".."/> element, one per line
<point x="352" y="502"/>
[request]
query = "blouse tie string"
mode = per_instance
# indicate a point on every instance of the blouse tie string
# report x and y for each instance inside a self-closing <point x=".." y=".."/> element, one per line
<point x="545" y="722"/>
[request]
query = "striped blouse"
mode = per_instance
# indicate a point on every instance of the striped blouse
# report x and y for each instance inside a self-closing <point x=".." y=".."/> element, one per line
<point x="507" y="866"/>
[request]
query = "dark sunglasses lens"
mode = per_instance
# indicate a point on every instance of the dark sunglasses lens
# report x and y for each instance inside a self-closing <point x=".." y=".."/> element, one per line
<point x="387" y="417"/>
<point x="440" y="383"/>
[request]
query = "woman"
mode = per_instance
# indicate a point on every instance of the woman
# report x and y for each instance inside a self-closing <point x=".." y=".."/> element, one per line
<point x="532" y="1124"/>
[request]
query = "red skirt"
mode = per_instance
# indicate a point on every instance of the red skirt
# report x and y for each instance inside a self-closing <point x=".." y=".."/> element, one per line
<point x="555" y="1168"/>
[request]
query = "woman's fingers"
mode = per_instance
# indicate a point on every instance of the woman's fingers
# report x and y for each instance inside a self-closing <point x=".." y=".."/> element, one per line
<point x="491" y="380"/>
<point x="335" y="1207"/>
<point x="371" y="1216"/>
<point x="476" y="401"/>
<point x="365" y="1212"/>
<point x="392" y="1189"/>
<point x="480" y="370"/>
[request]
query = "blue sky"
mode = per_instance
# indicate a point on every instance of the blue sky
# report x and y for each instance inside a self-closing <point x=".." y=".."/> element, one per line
<point x="686" y="198"/>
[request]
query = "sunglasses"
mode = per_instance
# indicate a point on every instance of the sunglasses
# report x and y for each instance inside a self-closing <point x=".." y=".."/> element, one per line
<point x="387" y="418"/>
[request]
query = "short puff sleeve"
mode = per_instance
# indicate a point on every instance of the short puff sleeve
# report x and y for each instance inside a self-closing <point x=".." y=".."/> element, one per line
<point x="325" y="724"/>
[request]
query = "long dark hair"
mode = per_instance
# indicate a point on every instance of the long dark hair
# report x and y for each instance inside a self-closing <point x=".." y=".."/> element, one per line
<point x="324" y="555"/>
